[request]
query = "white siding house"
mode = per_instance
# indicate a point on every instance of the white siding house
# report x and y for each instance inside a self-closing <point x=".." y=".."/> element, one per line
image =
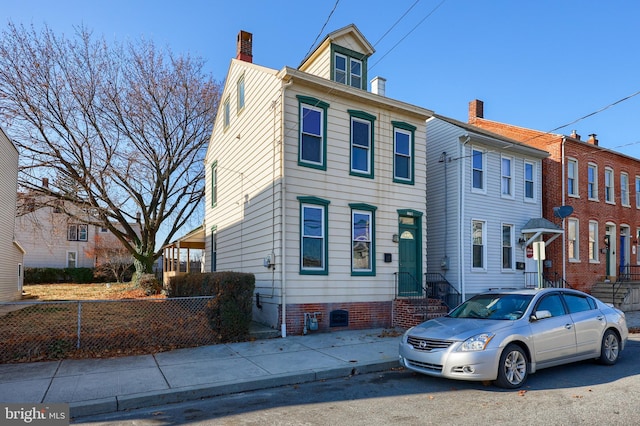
<point x="484" y="207"/>
<point x="316" y="186"/>
<point x="11" y="271"/>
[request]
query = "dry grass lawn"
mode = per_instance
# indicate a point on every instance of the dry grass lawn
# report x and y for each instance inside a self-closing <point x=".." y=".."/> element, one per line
<point x="100" y="291"/>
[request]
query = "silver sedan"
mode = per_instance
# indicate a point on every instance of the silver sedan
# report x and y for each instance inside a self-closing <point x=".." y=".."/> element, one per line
<point x="504" y="336"/>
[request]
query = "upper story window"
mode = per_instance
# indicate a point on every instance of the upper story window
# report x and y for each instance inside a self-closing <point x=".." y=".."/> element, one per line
<point x="312" y="147"/>
<point x="362" y="239"/>
<point x="240" y="94"/>
<point x="77" y="232"/>
<point x="638" y="192"/>
<point x="477" y="166"/>
<point x="403" y="150"/>
<point x="572" y="177"/>
<point x="506" y="184"/>
<point x="477" y="241"/>
<point x="349" y="67"/>
<point x="529" y="181"/>
<point x="624" y="189"/>
<point x="214" y="184"/>
<point x="608" y="186"/>
<point x="313" y="235"/>
<point x="361" y="143"/>
<point x="592" y="181"/>
<point x="227" y="112"/>
<point x="214" y="249"/>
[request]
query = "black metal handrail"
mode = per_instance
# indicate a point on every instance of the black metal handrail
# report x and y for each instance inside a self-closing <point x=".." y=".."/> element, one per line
<point x="413" y="289"/>
<point x="549" y="280"/>
<point x="438" y="287"/>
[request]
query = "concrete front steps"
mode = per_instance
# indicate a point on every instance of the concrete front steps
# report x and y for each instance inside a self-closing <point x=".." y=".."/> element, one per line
<point x="626" y="298"/>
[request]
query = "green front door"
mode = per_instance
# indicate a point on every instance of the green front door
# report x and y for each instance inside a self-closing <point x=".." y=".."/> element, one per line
<point x="410" y="268"/>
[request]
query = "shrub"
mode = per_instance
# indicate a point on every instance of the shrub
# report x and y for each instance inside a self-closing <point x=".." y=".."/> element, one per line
<point x="230" y="311"/>
<point x="79" y="275"/>
<point x="58" y="275"/>
<point x="149" y="284"/>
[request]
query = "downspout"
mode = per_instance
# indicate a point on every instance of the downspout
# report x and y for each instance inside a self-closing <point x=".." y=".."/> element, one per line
<point x="564" y="231"/>
<point x="461" y="190"/>
<point x="283" y="215"/>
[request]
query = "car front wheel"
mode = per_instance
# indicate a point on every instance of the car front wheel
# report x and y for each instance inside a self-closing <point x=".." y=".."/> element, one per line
<point x="512" y="370"/>
<point x="610" y="349"/>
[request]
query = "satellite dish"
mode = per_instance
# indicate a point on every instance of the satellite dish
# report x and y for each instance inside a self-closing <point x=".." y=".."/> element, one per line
<point x="562" y="211"/>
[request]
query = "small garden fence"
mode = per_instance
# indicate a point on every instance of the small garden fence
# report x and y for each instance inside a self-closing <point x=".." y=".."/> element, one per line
<point x="42" y="330"/>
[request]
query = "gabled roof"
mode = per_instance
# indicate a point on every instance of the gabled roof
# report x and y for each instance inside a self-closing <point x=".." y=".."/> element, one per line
<point x="366" y="47"/>
<point x="494" y="139"/>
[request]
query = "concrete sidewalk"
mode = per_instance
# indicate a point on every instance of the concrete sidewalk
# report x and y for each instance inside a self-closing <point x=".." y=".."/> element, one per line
<point x="95" y="386"/>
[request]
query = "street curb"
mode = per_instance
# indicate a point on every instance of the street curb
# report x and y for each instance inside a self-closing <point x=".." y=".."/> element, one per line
<point x="190" y="393"/>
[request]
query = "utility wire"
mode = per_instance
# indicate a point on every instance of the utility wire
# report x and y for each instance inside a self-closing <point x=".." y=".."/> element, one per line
<point x="322" y="29"/>
<point x="396" y="23"/>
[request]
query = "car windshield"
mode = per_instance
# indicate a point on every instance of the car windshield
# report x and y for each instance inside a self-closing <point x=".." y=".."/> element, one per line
<point x="493" y="306"/>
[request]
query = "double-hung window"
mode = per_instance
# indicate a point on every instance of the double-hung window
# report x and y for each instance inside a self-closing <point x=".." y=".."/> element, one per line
<point x="403" y="152"/>
<point x="363" y="225"/>
<point x="573" y="240"/>
<point x="506" y="184"/>
<point x="624" y="189"/>
<point x="592" y="181"/>
<point x="529" y="181"/>
<point x="572" y="177"/>
<point x="313" y="235"/>
<point x="477" y="170"/>
<point x="608" y="186"/>
<point x="214" y="248"/>
<point x="72" y="259"/>
<point x="478" y="243"/>
<point x="312" y="147"/>
<point x="361" y="143"/>
<point x="593" y="241"/>
<point x="348" y="67"/>
<point x="638" y="192"/>
<point x="507" y="247"/>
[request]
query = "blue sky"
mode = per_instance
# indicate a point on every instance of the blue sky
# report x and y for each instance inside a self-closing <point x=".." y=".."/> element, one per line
<point x="538" y="64"/>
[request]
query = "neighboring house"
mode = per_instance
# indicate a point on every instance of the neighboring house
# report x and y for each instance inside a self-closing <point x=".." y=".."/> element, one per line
<point x="483" y="208"/>
<point x="603" y="189"/>
<point x="11" y="261"/>
<point x="316" y="186"/>
<point x="54" y="240"/>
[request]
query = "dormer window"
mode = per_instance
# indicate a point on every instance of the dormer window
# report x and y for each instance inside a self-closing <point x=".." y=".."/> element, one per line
<point x="348" y="67"/>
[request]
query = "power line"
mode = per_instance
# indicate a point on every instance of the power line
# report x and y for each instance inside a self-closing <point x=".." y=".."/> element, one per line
<point x="396" y="23"/>
<point x="322" y="29"/>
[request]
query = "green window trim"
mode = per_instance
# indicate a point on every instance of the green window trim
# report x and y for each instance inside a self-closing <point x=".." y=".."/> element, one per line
<point x="355" y="207"/>
<point x="324" y="205"/>
<point x="350" y="54"/>
<point x="214" y="249"/>
<point x="321" y="105"/>
<point x="214" y="184"/>
<point x="370" y="155"/>
<point x="412" y="130"/>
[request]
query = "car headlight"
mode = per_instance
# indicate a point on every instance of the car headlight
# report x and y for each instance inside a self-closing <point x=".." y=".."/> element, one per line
<point x="477" y="343"/>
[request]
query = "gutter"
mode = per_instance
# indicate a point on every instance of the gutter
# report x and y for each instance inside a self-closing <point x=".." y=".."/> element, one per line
<point x="564" y="231"/>
<point x="283" y="214"/>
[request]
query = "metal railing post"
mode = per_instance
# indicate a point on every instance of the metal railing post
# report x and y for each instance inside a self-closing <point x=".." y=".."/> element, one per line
<point x="79" y="323"/>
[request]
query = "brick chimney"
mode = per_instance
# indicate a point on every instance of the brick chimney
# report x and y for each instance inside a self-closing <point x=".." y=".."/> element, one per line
<point x="592" y="139"/>
<point x="45" y="182"/>
<point x="245" y="46"/>
<point x="575" y="135"/>
<point x="476" y="110"/>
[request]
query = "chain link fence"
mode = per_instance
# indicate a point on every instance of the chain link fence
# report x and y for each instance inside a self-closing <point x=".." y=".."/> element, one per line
<point x="39" y="331"/>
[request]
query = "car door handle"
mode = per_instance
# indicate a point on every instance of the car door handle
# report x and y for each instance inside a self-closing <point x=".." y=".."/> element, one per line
<point x="568" y="326"/>
<point x="600" y="317"/>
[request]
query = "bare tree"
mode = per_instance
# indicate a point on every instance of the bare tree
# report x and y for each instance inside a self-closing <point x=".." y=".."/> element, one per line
<point x="121" y="129"/>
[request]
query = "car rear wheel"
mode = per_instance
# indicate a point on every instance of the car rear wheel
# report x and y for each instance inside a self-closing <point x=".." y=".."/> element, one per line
<point x="512" y="370"/>
<point x="610" y="349"/>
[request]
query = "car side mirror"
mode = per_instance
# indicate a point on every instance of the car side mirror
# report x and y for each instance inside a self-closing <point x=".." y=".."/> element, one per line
<point x="540" y="315"/>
